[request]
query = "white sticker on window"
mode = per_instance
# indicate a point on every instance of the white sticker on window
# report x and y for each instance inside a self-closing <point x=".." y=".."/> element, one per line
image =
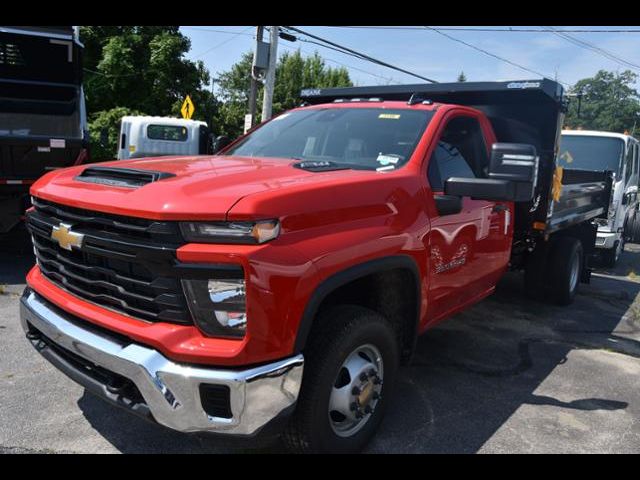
<point x="57" y="143"/>
<point x="44" y="149"/>
<point x="390" y="159"/>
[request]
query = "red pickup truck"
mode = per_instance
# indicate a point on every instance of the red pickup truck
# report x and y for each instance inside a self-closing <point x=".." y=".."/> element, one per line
<point x="280" y="284"/>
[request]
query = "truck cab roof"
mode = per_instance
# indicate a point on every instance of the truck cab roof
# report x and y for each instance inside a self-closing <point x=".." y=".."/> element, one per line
<point x="598" y="133"/>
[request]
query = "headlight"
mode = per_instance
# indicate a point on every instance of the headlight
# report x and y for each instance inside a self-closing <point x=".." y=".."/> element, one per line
<point x="218" y="307"/>
<point x="230" y="232"/>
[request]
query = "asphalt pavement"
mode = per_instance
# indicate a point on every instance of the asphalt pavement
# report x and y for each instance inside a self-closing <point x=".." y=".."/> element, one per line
<point x="509" y="375"/>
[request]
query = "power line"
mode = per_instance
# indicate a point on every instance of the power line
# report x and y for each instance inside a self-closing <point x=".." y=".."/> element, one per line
<point x="594" y="48"/>
<point x="111" y="75"/>
<point x="362" y="56"/>
<point x="436" y="30"/>
<point x="505" y="29"/>
<point x="221" y="43"/>
<point x="217" y="31"/>
<point x="351" y="67"/>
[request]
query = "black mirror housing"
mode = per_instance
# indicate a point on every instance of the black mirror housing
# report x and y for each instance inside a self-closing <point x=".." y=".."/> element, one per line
<point x="480" y="188"/>
<point x="220" y="142"/>
<point x="516" y="163"/>
<point x="513" y="174"/>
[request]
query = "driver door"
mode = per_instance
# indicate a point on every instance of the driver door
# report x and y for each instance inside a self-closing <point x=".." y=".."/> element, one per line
<point x="469" y="250"/>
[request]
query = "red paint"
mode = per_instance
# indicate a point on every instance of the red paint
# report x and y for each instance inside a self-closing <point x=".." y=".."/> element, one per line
<point x="330" y="222"/>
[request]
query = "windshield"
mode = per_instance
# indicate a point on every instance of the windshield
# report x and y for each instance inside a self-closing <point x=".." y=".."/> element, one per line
<point x="591" y="153"/>
<point x="367" y="138"/>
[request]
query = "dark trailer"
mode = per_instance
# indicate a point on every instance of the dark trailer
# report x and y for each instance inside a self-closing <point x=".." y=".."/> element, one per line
<point x="42" y="111"/>
<point x="527" y="112"/>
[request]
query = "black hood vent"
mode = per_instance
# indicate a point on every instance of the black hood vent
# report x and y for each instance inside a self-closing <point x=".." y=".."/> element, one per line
<point x="121" y="177"/>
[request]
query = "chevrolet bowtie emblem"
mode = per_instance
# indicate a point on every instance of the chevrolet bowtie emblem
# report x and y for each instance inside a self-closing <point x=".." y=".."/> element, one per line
<point x="65" y="237"/>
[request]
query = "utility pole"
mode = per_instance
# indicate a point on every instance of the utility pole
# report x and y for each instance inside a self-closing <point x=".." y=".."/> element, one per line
<point x="269" y="85"/>
<point x="253" y="92"/>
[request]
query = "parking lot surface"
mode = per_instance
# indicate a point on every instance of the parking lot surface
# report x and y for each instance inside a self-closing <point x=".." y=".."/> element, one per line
<point x="507" y="376"/>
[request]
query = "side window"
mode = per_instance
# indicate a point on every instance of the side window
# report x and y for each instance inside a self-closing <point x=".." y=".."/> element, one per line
<point x="628" y="170"/>
<point x="447" y="162"/>
<point x="461" y="152"/>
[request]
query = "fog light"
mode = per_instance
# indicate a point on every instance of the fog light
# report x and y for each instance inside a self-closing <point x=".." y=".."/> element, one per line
<point x="218" y="307"/>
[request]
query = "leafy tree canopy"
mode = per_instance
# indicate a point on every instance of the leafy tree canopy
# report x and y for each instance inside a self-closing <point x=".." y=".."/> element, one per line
<point x="608" y="102"/>
<point x="108" y="120"/>
<point x="293" y="73"/>
<point x="139" y="69"/>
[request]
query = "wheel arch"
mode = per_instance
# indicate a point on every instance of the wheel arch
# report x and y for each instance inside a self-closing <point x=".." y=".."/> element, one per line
<point x="405" y="312"/>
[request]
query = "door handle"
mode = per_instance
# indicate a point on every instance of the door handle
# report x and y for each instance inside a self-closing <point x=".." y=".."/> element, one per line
<point x="500" y="207"/>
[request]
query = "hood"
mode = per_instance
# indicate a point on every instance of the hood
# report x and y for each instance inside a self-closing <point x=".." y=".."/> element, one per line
<point x="193" y="188"/>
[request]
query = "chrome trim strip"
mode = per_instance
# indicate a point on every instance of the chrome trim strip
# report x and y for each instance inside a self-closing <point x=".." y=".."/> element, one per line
<point x="171" y="390"/>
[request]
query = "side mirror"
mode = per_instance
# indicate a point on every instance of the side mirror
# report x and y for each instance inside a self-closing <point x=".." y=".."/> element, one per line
<point x="104" y="137"/>
<point x="220" y="142"/>
<point x="513" y="173"/>
<point x="448" y="204"/>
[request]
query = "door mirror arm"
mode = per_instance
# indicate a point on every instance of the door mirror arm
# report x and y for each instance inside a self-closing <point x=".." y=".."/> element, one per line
<point x="448" y="204"/>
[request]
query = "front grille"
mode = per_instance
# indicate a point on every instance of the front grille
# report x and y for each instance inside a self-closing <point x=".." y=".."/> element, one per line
<point x="125" y="264"/>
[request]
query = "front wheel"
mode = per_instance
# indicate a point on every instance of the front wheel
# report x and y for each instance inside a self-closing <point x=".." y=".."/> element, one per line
<point x="611" y="255"/>
<point x="350" y="369"/>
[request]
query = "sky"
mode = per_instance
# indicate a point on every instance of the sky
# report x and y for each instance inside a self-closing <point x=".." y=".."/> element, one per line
<point x="433" y="55"/>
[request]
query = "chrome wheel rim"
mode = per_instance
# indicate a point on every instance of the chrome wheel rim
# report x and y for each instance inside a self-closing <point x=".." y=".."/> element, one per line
<point x="356" y="391"/>
<point x="573" y="277"/>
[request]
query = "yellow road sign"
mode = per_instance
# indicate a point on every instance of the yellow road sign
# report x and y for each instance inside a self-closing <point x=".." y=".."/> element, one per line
<point x="187" y="108"/>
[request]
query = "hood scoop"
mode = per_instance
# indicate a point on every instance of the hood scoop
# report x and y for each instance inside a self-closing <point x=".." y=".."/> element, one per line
<point x="121" y="177"/>
<point x="319" y="166"/>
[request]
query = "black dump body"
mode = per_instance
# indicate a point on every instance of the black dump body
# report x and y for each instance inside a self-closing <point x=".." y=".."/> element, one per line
<point x="41" y="110"/>
<point x="523" y="111"/>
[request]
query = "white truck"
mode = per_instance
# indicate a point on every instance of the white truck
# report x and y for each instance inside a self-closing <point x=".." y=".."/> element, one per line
<point x="143" y="136"/>
<point x="597" y="151"/>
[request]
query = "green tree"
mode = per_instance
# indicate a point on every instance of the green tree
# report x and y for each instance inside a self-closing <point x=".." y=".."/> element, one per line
<point x="233" y="95"/>
<point x="608" y="101"/>
<point x="293" y="73"/>
<point x="462" y="77"/>
<point x="144" y="69"/>
<point x="108" y="120"/>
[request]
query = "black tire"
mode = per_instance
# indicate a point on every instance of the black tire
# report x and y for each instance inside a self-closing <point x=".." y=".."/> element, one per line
<point x="565" y="251"/>
<point x="627" y="228"/>
<point x="635" y="229"/>
<point x="340" y="330"/>
<point x="609" y="258"/>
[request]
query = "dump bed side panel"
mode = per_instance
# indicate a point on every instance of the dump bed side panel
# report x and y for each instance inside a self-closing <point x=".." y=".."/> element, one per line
<point x="584" y="195"/>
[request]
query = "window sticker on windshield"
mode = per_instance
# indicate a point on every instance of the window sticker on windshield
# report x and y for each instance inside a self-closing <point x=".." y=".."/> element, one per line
<point x="388" y="159"/>
<point x="56" y="143"/>
<point x="391" y="116"/>
<point x="383" y="169"/>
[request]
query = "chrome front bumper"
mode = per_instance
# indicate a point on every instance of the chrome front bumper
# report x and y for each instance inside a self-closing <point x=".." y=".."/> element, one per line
<point x="607" y="240"/>
<point x="171" y="391"/>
